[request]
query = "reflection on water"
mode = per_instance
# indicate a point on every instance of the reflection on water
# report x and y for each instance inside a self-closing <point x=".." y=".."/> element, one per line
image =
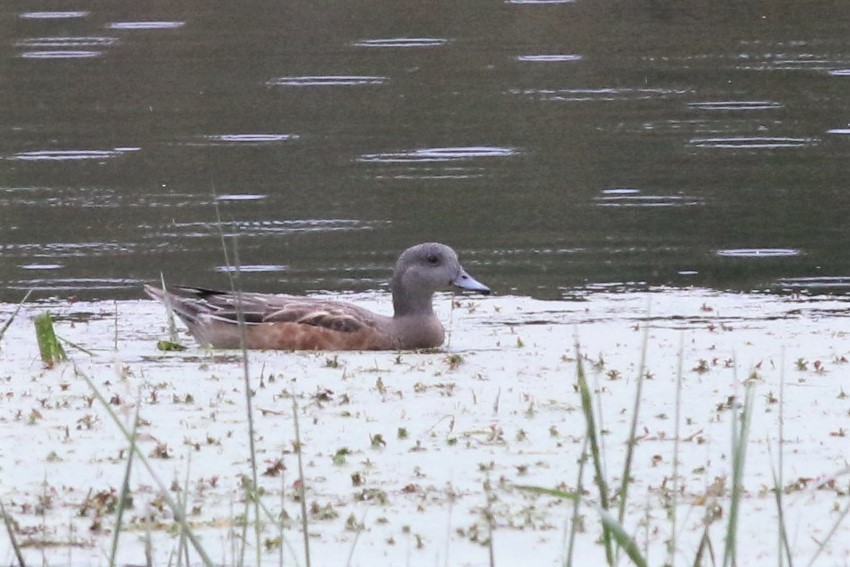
<point x="259" y="228"/>
<point x="438" y="154"/>
<point x="634" y="198"/>
<point x="63" y="47"/>
<point x="71" y="155"/>
<point x="241" y="197"/>
<point x="250" y="138"/>
<point x="251" y="268"/>
<point x="599" y="94"/>
<point x="792" y="55"/>
<point x="752" y="143"/>
<point x="816" y="283"/>
<point x="40" y="266"/>
<point x="557" y="144"/>
<point x="56" y="285"/>
<point x="325" y="81"/>
<point x="152" y="25"/>
<point x="539" y="1"/>
<point x="734" y="105"/>
<point x="64" y="42"/>
<point x="401" y="42"/>
<point x="758" y="252"/>
<point x="60" y="54"/>
<point x="53" y="15"/>
<point x="458" y="163"/>
<point x="68" y="250"/>
<point x="548" y="58"/>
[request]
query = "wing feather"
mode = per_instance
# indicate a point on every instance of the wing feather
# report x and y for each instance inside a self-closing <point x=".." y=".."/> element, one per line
<point x="256" y="308"/>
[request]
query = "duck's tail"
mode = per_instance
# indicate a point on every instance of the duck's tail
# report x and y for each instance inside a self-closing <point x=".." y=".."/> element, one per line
<point x="188" y="303"/>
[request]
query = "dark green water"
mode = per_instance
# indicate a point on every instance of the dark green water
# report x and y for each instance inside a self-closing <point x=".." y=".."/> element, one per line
<point x="557" y="145"/>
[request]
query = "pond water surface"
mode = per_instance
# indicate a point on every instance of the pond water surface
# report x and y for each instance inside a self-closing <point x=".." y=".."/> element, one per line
<point x="558" y="145"/>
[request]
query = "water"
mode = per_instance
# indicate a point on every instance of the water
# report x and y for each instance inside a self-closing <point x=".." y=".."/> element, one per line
<point x="559" y="146"/>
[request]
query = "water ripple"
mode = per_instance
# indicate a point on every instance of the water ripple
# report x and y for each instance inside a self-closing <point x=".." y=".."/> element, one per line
<point x="102" y="197"/>
<point x="599" y="94"/>
<point x="752" y="142"/>
<point x="40" y="266"/>
<point x="632" y="198"/>
<point x="68" y="249"/>
<point x="53" y="15"/>
<point x="60" y="54"/>
<point x="758" y="252"/>
<point x="152" y="25"/>
<point x="736" y="105"/>
<point x="64" y="42"/>
<point x="401" y="42"/>
<point x="794" y="55"/>
<point x="252" y="268"/>
<point x="549" y="58"/>
<point x="249" y="139"/>
<point x="447" y="173"/>
<point x="539" y="1"/>
<point x="71" y="155"/>
<point x="262" y="227"/>
<point x="326" y="80"/>
<point x="790" y="64"/>
<point x="241" y="197"/>
<point x="815" y="282"/>
<point x="75" y="284"/>
<point x="438" y="154"/>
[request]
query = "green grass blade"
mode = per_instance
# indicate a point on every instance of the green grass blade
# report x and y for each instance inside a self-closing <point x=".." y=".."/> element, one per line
<point x="623" y="539"/>
<point x="677" y="434"/>
<point x="302" y="484"/>
<point x="8" y="323"/>
<point x="163" y="489"/>
<point x="183" y="502"/>
<point x="740" y="434"/>
<point x="124" y="495"/>
<point x="10" y="529"/>
<point x="169" y="313"/>
<point x="221" y="235"/>
<point x="632" y="438"/>
<point x="548" y="492"/>
<point x="574" y="521"/>
<point x="76" y="346"/>
<point x="835" y="525"/>
<point x="249" y="404"/>
<point x="489" y="518"/>
<point x="48" y="345"/>
<point x="784" y="549"/>
<point x="281" y="519"/>
<point x="704" y="547"/>
<point x="593" y="439"/>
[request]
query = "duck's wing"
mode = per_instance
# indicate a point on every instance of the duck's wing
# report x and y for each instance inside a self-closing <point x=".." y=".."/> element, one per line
<point x="330" y="315"/>
<point x="192" y="304"/>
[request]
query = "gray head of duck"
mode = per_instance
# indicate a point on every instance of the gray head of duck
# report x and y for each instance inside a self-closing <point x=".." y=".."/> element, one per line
<point x="423" y="269"/>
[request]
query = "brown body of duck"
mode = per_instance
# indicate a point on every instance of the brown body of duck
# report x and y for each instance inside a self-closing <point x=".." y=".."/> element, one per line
<point x="273" y="321"/>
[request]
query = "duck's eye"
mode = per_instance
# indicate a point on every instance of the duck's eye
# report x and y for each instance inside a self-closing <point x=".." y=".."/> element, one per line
<point x="433" y="259"/>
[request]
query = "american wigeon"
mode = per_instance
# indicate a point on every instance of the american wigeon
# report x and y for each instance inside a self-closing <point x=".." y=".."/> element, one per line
<point x="289" y="322"/>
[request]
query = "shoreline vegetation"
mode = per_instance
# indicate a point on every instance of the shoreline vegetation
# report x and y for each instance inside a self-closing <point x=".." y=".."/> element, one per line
<point x="680" y="427"/>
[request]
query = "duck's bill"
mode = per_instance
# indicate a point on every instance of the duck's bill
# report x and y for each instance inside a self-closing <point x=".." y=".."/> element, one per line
<point x="465" y="281"/>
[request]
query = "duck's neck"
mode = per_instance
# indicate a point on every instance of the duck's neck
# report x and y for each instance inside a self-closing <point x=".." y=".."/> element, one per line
<point x="408" y="301"/>
<point x="409" y="304"/>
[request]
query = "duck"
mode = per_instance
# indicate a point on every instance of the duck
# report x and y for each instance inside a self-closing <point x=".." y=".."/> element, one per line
<point x="290" y="322"/>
